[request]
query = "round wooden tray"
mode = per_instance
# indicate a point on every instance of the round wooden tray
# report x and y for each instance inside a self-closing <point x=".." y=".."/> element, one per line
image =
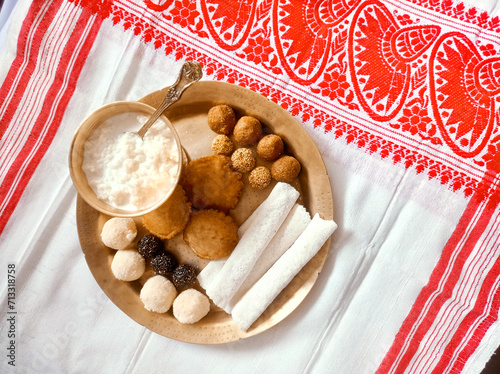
<point x="189" y="117"/>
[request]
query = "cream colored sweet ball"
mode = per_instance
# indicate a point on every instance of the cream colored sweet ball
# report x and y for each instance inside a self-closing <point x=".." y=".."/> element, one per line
<point x="191" y="306"/>
<point x="158" y="294"/>
<point x="118" y="233"/>
<point x="128" y="265"/>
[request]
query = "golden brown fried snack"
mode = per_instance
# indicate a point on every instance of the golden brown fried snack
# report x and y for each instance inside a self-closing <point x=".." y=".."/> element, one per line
<point x="222" y="145"/>
<point x="243" y="160"/>
<point x="270" y="147"/>
<point x="171" y="217"/>
<point x="285" y="169"/>
<point x="211" y="234"/>
<point x="260" y="177"/>
<point x="210" y="182"/>
<point x="247" y="130"/>
<point x="221" y="119"/>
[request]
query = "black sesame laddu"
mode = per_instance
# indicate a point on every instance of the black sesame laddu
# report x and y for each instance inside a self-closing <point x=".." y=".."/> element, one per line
<point x="150" y="245"/>
<point x="184" y="275"/>
<point x="164" y="263"/>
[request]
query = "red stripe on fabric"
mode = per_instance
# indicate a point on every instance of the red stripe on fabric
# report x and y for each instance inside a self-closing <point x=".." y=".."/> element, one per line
<point x="482" y="310"/>
<point x="432" y="286"/>
<point x="30" y="46"/>
<point x="38" y="84"/>
<point x="464" y="295"/>
<point x="479" y="334"/>
<point x="41" y="121"/>
<point x="446" y="292"/>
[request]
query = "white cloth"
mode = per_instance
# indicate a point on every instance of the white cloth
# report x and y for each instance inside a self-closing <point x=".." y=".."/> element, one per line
<point x="393" y="224"/>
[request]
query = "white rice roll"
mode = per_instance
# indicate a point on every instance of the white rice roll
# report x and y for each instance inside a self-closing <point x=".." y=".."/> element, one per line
<point x="258" y="298"/>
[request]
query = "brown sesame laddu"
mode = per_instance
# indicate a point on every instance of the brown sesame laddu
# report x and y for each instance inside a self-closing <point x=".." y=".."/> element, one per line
<point x="243" y="160"/>
<point x="285" y="169"/>
<point x="260" y="177"/>
<point x="270" y="147"/>
<point x="221" y="119"/>
<point x="247" y="130"/>
<point x="222" y="145"/>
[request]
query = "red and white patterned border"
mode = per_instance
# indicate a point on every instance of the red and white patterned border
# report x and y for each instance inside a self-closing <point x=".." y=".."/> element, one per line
<point x="54" y="41"/>
<point x="461" y="300"/>
<point x="329" y="103"/>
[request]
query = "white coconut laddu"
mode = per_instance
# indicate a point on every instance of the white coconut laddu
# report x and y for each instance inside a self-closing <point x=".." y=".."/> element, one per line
<point x="117" y="233"/>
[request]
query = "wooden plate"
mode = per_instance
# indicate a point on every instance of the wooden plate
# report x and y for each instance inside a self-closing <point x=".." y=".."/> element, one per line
<point x="189" y="117"/>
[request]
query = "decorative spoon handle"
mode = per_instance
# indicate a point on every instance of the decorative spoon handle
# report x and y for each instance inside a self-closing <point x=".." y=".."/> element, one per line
<point x="191" y="72"/>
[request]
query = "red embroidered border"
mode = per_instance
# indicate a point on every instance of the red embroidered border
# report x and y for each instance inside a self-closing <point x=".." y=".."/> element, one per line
<point x="462" y="12"/>
<point x="334" y="86"/>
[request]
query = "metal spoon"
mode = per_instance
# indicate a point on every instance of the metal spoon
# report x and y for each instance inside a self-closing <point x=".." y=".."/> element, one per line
<point x="190" y="73"/>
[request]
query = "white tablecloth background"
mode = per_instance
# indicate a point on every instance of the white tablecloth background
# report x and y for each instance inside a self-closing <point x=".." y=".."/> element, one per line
<point x="393" y="223"/>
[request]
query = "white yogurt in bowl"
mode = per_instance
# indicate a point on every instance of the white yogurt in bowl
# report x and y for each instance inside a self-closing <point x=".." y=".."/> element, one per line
<point x="125" y="171"/>
<point x="117" y="172"/>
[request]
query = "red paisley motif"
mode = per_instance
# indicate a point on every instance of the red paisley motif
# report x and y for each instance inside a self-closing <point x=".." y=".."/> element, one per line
<point x="381" y="80"/>
<point x="303" y="33"/>
<point x="464" y="109"/>
<point x="487" y="74"/>
<point x="409" y="43"/>
<point x="229" y="22"/>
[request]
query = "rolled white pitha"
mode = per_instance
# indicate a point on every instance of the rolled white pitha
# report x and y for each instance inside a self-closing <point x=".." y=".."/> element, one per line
<point x="241" y="261"/>
<point x="209" y="272"/>
<point x="295" y="222"/>
<point x="258" y="298"/>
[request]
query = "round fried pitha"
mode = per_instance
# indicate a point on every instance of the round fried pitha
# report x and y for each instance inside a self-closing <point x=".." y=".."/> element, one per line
<point x="270" y="147"/>
<point x="171" y="217"/>
<point x="210" y="182"/>
<point x="247" y="130"/>
<point x="285" y="169"/>
<point x="243" y="160"/>
<point x="211" y="234"/>
<point x="222" y="145"/>
<point x="221" y="119"/>
<point x="260" y="177"/>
